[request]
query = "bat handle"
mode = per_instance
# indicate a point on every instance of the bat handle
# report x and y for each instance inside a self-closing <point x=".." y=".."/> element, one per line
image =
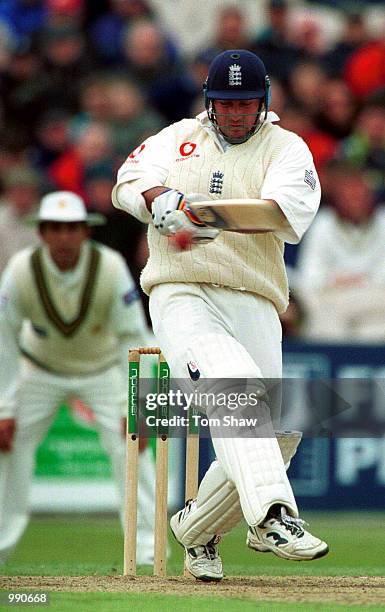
<point x="192" y="216"/>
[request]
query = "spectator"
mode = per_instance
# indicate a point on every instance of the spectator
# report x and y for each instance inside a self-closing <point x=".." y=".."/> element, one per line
<point x="67" y="62"/>
<point x="21" y="195"/>
<point x="307" y="37"/>
<point x="94" y="102"/>
<point x="306" y="80"/>
<point x="24" y="18"/>
<point x="341" y="268"/>
<point x="144" y="50"/>
<point x="130" y="120"/>
<point x="107" y="33"/>
<point x="355" y="35"/>
<point x="181" y="96"/>
<point x="24" y="87"/>
<point x="365" y="147"/>
<point x="272" y="44"/>
<point x="337" y="109"/>
<point x="13" y="148"/>
<point x="147" y="56"/>
<point x="190" y="102"/>
<point x="51" y="139"/>
<point x="150" y="64"/>
<point x="230" y="31"/>
<point x="323" y="147"/>
<point x="92" y="146"/>
<point x="7" y="43"/>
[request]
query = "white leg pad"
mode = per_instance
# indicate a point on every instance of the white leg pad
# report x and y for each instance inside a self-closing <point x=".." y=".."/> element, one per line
<point x="256" y="467"/>
<point x="218" y="508"/>
<point x="216" y="512"/>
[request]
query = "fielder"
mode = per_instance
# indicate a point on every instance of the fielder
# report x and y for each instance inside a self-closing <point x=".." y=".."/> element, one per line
<point x="215" y="306"/>
<point x="69" y="312"/>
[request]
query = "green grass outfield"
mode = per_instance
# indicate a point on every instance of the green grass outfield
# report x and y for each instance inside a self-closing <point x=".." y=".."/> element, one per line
<point x="73" y="546"/>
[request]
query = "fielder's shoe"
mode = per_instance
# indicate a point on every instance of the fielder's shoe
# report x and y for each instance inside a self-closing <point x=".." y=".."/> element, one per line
<point x="203" y="562"/>
<point x="285" y="536"/>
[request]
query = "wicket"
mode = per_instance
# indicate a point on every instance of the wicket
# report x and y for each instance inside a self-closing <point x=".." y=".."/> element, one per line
<point x="161" y="487"/>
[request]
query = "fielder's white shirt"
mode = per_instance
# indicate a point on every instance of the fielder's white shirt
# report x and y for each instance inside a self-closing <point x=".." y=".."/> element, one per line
<point x="113" y="322"/>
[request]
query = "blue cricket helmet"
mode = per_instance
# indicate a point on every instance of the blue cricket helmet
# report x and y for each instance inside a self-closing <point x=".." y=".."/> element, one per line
<point x="236" y="75"/>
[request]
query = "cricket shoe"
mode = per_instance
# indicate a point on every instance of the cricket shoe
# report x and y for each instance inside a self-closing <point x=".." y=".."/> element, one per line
<point x="286" y="537"/>
<point x="202" y="561"/>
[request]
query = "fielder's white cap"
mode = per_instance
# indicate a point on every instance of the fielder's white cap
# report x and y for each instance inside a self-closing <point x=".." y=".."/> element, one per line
<point x="65" y="207"/>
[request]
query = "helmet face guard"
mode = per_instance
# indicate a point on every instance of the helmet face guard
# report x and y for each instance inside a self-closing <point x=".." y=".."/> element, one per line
<point x="237" y="75"/>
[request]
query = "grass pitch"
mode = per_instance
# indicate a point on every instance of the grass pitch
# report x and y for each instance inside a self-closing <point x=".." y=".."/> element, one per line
<point x="351" y="577"/>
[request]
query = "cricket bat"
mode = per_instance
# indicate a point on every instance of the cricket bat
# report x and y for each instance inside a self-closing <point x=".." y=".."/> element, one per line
<point x="240" y="214"/>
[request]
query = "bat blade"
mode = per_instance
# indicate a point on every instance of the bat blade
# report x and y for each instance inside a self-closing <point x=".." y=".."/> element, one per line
<point x="239" y="214"/>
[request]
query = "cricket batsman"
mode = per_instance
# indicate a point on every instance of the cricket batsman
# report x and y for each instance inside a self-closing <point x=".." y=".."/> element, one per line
<point x="215" y="306"/>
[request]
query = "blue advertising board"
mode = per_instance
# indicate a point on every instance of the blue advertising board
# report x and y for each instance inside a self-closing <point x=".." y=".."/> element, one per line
<point x="339" y="471"/>
<point x="334" y="470"/>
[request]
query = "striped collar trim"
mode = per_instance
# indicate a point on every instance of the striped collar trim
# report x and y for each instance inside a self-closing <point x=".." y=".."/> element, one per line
<point x="67" y="329"/>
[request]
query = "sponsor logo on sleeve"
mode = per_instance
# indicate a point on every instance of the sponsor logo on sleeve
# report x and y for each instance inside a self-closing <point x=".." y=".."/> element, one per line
<point x="134" y="154"/>
<point x="310" y="179"/>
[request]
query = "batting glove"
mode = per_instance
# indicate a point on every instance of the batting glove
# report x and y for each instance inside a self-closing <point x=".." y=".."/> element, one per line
<point x="163" y="206"/>
<point x="170" y="215"/>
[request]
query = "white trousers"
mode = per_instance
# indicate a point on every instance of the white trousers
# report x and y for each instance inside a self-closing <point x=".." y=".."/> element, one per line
<point x="181" y="313"/>
<point x="39" y="395"/>
<point x="229" y="334"/>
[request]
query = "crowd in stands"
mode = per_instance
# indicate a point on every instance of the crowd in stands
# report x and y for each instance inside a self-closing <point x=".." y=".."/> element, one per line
<point x="82" y="83"/>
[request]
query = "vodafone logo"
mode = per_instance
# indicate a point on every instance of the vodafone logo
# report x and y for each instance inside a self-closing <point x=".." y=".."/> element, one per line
<point x="136" y="151"/>
<point x="187" y="148"/>
<point x="187" y="151"/>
